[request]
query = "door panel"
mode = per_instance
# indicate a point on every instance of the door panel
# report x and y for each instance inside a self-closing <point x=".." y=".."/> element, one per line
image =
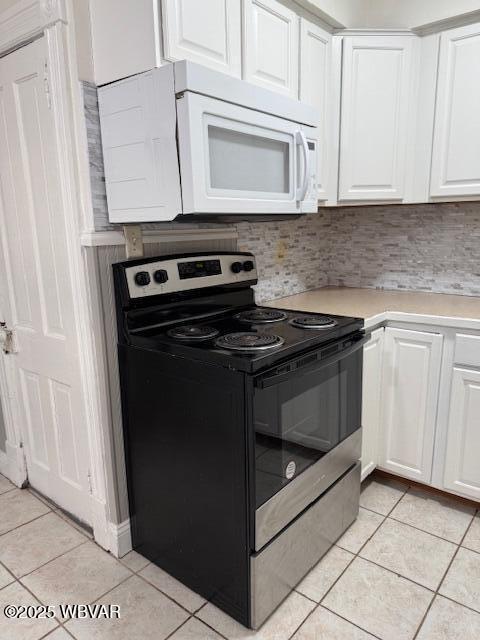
<point x="411" y="382"/>
<point x="271" y="46"/>
<point x="376" y="88"/>
<point x="41" y="296"/>
<point x="315" y="89"/>
<point x="139" y="147"/>
<point x="372" y="398"/>
<point x="207" y="32"/>
<point x="456" y="144"/>
<point x="462" y="468"/>
<point x="260" y="156"/>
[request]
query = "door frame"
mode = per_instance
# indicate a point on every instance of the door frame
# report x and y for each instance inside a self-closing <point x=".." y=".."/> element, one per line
<point x="20" y="24"/>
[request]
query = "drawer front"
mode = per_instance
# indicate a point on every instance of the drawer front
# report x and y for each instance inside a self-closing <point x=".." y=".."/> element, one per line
<point x="275" y="514"/>
<point x="278" y="568"/>
<point x="467" y="350"/>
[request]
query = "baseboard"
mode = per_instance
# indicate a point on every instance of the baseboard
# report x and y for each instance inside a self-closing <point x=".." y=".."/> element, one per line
<point x="3" y="463"/>
<point x="380" y="473"/>
<point x="120" y="539"/>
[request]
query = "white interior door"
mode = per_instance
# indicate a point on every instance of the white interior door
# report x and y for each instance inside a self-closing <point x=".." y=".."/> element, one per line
<point x="39" y="285"/>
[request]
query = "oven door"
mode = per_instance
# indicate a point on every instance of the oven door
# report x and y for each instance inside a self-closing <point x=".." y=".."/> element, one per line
<point x="307" y="420"/>
<point x="238" y="160"/>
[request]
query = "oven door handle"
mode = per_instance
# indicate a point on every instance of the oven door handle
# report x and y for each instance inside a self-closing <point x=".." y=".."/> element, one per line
<point x="277" y="378"/>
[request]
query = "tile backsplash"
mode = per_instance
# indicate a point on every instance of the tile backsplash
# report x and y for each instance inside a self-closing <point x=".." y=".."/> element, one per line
<point x="430" y="247"/>
<point x="422" y="247"/>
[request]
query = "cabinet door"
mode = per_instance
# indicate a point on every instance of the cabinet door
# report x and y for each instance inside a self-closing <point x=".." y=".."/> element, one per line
<point x="207" y="32"/>
<point x="142" y="177"/>
<point x="315" y="89"/>
<point x="462" y="466"/>
<point x="456" y="144"/>
<point x="411" y="381"/>
<point x="371" y="403"/>
<point x="376" y="92"/>
<point x="270" y="47"/>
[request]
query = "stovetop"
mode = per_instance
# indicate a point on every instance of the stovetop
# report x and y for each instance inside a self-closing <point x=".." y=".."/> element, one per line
<point x="218" y="339"/>
<point x="201" y="307"/>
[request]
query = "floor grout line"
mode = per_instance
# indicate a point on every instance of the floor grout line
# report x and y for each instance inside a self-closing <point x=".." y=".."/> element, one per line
<point x="384" y="517"/>
<point x="422" y="622"/>
<point x="25" y="575"/>
<point x="355" y="555"/>
<point x="434" y="535"/>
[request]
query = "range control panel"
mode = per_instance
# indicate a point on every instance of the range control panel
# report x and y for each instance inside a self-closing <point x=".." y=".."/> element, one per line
<point x="169" y="275"/>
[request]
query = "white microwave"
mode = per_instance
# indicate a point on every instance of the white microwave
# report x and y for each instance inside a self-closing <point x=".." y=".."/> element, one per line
<point x="185" y="140"/>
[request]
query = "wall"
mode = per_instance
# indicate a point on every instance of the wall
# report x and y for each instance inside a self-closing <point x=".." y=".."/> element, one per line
<point x="3" y="434"/>
<point x="292" y="256"/>
<point x="412" y="13"/>
<point x="429" y="247"/>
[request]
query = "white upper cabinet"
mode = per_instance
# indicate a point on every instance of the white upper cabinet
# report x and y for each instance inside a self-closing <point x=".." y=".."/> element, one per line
<point x="376" y="96"/>
<point x="207" y="32"/>
<point x="462" y="466"/>
<point x="411" y="385"/>
<point x="270" y="48"/>
<point x="371" y="403"/>
<point x="456" y="144"/>
<point x="315" y="89"/>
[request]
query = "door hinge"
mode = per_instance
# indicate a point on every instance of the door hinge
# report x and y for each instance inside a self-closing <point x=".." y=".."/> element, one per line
<point x="6" y="338"/>
<point x="46" y="85"/>
<point x="89" y="478"/>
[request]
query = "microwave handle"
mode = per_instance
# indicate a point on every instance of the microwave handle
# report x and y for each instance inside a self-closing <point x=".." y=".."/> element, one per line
<point x="301" y="140"/>
<point x="277" y="378"/>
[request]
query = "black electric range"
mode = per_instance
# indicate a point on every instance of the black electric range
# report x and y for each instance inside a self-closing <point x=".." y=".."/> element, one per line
<point x="242" y="424"/>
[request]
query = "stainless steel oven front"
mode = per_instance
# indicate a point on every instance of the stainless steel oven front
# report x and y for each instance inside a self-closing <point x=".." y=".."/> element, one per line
<point x="307" y="420"/>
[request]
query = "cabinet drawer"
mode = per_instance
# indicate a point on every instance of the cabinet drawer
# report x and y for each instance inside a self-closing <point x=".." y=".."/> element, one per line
<point x="467" y="350"/>
<point x="278" y="568"/>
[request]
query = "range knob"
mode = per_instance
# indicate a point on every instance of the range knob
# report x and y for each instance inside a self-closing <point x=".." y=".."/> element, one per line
<point x="248" y="265"/>
<point x="160" y="276"/>
<point x="142" y="278"/>
<point x="236" y="267"/>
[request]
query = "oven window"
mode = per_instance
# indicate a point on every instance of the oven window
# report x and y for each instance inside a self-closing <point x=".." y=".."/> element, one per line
<point x="301" y="419"/>
<point x="241" y="161"/>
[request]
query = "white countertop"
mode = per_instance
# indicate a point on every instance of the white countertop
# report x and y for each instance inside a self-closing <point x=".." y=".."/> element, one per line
<point x="377" y="306"/>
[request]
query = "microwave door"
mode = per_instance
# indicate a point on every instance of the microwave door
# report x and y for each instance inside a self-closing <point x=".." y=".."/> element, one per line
<point x="237" y="160"/>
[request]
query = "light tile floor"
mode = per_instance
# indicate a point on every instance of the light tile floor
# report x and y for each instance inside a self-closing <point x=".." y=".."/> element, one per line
<point x="407" y="569"/>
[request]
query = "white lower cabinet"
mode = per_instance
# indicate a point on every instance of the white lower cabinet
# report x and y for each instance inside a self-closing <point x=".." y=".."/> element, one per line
<point x="412" y="364"/>
<point x="462" y="458"/>
<point x="372" y="398"/>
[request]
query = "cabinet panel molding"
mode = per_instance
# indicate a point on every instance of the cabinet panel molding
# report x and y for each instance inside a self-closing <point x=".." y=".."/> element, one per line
<point x="375" y="111"/>
<point x="462" y="467"/>
<point x="270" y="46"/>
<point x="371" y="403"/>
<point x="412" y="363"/>
<point x="456" y="143"/>
<point x="207" y="32"/>
<point x="316" y="89"/>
